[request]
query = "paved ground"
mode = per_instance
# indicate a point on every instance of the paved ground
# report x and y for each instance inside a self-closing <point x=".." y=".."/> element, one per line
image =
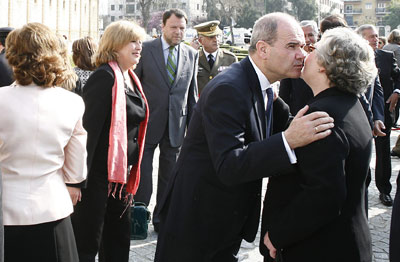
<point x="379" y="218"/>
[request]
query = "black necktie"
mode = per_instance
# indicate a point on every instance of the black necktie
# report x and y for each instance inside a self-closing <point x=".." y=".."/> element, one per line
<point x="210" y="60"/>
<point x="268" y="110"/>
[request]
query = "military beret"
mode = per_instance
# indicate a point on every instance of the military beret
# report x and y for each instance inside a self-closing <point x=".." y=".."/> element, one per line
<point x="209" y="28"/>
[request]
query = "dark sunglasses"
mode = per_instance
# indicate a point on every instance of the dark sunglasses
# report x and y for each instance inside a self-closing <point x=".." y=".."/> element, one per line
<point x="309" y="48"/>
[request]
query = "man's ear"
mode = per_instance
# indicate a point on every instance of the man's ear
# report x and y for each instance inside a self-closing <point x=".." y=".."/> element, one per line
<point x="262" y="49"/>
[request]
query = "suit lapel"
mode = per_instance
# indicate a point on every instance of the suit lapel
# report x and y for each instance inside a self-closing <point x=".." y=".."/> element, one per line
<point x="158" y="56"/>
<point x="203" y="61"/>
<point x="182" y="58"/>
<point x="258" y="100"/>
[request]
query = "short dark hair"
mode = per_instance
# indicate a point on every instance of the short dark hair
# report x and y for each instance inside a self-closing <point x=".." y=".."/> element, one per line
<point x="174" y="11"/>
<point x="332" y="21"/>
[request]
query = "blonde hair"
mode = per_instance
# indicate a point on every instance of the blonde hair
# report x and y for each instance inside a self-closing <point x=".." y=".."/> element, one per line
<point x="35" y="54"/>
<point x="116" y="36"/>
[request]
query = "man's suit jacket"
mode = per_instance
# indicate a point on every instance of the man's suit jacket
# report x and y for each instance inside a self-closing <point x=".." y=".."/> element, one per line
<point x="214" y="195"/>
<point x="223" y="60"/>
<point x="389" y="76"/>
<point x="169" y="105"/>
<point x="296" y="93"/>
<point x="6" y="72"/>
<point x="318" y="212"/>
<point x="42" y="147"/>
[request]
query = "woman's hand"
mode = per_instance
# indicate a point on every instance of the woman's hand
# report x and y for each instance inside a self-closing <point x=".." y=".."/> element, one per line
<point x="75" y="194"/>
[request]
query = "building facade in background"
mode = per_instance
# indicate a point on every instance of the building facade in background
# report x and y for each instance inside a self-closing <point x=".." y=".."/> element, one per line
<point x="359" y="12"/>
<point x="72" y="18"/>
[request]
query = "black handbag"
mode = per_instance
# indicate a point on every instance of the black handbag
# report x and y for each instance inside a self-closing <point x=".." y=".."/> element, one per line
<point x="140" y="219"/>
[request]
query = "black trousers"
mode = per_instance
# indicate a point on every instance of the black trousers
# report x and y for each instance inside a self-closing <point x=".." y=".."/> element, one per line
<point x="99" y="225"/>
<point x="47" y="242"/>
<point x="167" y="161"/>
<point x="383" y="168"/>
<point x="394" y="242"/>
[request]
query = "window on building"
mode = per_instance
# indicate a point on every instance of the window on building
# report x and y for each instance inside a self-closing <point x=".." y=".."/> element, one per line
<point x="183" y="5"/>
<point x="174" y="5"/>
<point x="120" y="17"/>
<point x="368" y="5"/>
<point x="381" y="5"/>
<point x="130" y="9"/>
<point x="112" y="7"/>
<point x="120" y="7"/>
<point x="198" y="6"/>
<point x="349" y="8"/>
<point x="112" y="18"/>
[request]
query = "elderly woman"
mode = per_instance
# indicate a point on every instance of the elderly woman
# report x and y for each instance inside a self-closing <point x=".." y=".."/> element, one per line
<point x="115" y="118"/>
<point x="394" y="44"/>
<point x="42" y="147"/>
<point x="83" y="49"/>
<point x="318" y="213"/>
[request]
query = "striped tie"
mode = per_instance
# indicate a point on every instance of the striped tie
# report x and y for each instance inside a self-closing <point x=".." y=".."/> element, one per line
<point x="171" y="65"/>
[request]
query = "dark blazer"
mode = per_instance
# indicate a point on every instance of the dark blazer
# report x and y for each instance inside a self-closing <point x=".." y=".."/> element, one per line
<point x="6" y="72"/>
<point x="296" y="93"/>
<point x="214" y="195"/>
<point x="389" y="76"/>
<point x="318" y="212"/>
<point x="223" y="60"/>
<point x="168" y="104"/>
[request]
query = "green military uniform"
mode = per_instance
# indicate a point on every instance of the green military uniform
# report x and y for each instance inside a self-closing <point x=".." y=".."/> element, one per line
<point x="223" y="58"/>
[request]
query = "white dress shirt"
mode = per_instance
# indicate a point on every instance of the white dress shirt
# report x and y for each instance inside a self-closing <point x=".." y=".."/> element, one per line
<point x="265" y="84"/>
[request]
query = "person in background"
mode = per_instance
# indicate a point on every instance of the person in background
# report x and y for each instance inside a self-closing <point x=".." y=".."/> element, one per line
<point x="389" y="76"/>
<point x="319" y="209"/>
<point x="382" y="42"/>
<point x="116" y="119"/>
<point x="168" y="71"/>
<point x="6" y="73"/>
<point x="42" y="147"/>
<point x="212" y="59"/>
<point x="83" y="50"/>
<point x="294" y="91"/>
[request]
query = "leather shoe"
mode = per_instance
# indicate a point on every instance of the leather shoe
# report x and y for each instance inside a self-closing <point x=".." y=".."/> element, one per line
<point x="393" y="153"/>
<point x="386" y="199"/>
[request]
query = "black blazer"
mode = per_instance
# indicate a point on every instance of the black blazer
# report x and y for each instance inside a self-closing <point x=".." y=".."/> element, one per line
<point x="296" y="93"/>
<point x="214" y="194"/>
<point x="389" y="76"/>
<point x="318" y="212"/>
<point x="97" y="95"/>
<point x="6" y="72"/>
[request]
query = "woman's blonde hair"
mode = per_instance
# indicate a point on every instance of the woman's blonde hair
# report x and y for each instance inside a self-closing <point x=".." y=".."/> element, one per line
<point x="35" y="54"/>
<point x="116" y="36"/>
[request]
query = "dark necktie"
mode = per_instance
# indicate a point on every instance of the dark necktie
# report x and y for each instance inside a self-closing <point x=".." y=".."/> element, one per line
<point x="210" y="60"/>
<point x="268" y="110"/>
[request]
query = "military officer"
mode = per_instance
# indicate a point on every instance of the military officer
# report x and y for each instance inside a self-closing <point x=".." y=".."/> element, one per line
<point x="212" y="59"/>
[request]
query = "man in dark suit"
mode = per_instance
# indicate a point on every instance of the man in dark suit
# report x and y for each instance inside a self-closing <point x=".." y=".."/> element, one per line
<point x="6" y="73"/>
<point x="213" y="199"/>
<point x="212" y="59"/>
<point x="167" y="71"/>
<point x="389" y="76"/>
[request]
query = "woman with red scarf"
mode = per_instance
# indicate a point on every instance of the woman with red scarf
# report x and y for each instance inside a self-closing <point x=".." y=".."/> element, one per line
<point x="115" y="118"/>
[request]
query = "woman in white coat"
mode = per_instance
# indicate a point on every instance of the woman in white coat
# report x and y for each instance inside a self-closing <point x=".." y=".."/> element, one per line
<point x="42" y="147"/>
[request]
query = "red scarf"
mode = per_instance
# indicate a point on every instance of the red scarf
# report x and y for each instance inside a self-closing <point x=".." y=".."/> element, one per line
<point x="118" y="144"/>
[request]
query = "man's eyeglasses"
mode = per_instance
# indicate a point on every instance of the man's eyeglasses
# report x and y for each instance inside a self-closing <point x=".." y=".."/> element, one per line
<point x="309" y="48"/>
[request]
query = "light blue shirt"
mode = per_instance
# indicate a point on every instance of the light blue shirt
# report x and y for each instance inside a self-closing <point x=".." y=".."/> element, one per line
<point x="165" y="47"/>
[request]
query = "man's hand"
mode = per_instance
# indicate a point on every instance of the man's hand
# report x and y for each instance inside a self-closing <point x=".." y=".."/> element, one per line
<point x="392" y="100"/>
<point x="268" y="244"/>
<point x="306" y="129"/>
<point x="378" y="126"/>
<point x="75" y="194"/>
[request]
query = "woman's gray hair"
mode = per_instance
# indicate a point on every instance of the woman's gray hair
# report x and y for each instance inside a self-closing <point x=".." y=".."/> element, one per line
<point x="348" y="59"/>
<point x="394" y="37"/>
<point x="266" y="29"/>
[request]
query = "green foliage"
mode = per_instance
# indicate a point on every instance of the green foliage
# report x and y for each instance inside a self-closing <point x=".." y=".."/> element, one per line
<point x="393" y="19"/>
<point x="275" y="6"/>
<point x="304" y="9"/>
<point x="247" y="15"/>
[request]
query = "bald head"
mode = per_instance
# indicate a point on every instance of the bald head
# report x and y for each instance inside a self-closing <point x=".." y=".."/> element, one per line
<point x="266" y="28"/>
